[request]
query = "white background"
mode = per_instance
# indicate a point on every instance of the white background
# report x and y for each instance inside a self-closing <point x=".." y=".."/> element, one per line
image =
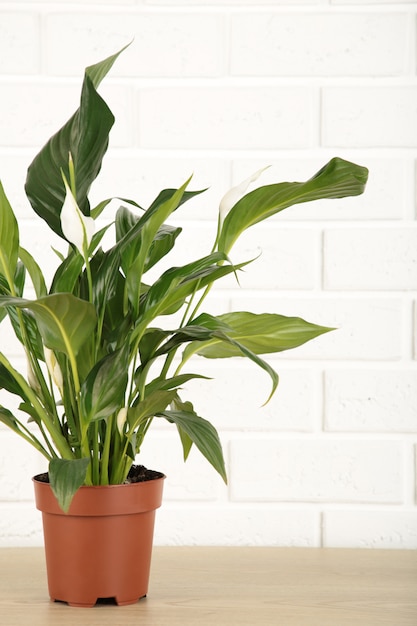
<point x="220" y="89"/>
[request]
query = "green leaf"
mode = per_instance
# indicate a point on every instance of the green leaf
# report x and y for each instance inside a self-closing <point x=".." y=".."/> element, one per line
<point x="149" y="343"/>
<point x="35" y="272"/>
<point x="66" y="477"/>
<point x="32" y="335"/>
<point x="177" y="283"/>
<point x="261" y="333"/>
<point x="103" y="391"/>
<point x="166" y="194"/>
<point x="85" y="136"/>
<point x="251" y="334"/>
<point x="99" y="70"/>
<point x="9" y="238"/>
<point x="7" y="418"/>
<point x="154" y="403"/>
<point x="337" y="179"/>
<point x="65" y="322"/>
<point x="67" y="274"/>
<point x="171" y="383"/>
<point x="9" y="383"/>
<point x="202" y="434"/>
<point x="136" y="244"/>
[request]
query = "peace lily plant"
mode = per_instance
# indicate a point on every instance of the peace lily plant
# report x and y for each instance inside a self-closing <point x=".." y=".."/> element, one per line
<point x="100" y="368"/>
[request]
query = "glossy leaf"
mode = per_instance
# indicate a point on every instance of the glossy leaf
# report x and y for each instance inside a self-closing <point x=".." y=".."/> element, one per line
<point x="65" y="322"/>
<point x="202" y="434"/>
<point x="35" y="272"/>
<point x="9" y="238"/>
<point x="175" y="382"/>
<point x="9" y="382"/>
<point x="178" y="282"/>
<point x="85" y="137"/>
<point x="261" y="333"/>
<point x="8" y="419"/>
<point x="337" y="179"/>
<point x="103" y="391"/>
<point x="136" y="244"/>
<point x="67" y="274"/>
<point x="66" y="476"/>
<point x="154" y="403"/>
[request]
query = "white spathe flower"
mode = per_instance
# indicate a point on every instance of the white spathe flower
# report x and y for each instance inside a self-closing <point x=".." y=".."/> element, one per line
<point x="121" y="419"/>
<point x="234" y="194"/>
<point x="53" y="368"/>
<point x="77" y="228"/>
<point x="32" y="380"/>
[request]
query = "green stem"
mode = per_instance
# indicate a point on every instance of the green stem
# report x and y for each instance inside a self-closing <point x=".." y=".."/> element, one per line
<point x="104" y="463"/>
<point x="95" y="460"/>
<point x="28" y="394"/>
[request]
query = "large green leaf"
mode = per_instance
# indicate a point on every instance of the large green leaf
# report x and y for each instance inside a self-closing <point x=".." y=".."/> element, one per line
<point x="337" y="179"/>
<point x="103" y="391"/>
<point x="85" y="137"/>
<point x="136" y="244"/>
<point x="9" y="238"/>
<point x="261" y="333"/>
<point x="202" y="434"/>
<point x="66" y="476"/>
<point x="65" y="322"/>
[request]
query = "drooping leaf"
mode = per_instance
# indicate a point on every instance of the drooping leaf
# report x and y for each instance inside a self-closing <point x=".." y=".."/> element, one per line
<point x="65" y="322"/>
<point x="66" y="476"/>
<point x="202" y="434"/>
<point x="337" y="179"/>
<point x="252" y="334"/>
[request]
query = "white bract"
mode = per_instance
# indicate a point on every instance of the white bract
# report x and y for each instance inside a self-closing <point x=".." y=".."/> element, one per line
<point x="234" y="194"/>
<point x="121" y="419"/>
<point x="77" y="228"/>
<point x="53" y="368"/>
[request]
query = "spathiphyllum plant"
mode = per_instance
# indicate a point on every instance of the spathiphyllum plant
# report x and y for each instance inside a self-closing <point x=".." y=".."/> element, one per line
<point x="101" y="365"/>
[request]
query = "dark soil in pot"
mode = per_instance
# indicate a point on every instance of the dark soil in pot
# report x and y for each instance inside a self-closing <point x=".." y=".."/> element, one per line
<point x="137" y="474"/>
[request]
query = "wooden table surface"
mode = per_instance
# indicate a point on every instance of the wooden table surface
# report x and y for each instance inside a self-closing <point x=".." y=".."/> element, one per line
<point x="232" y="587"/>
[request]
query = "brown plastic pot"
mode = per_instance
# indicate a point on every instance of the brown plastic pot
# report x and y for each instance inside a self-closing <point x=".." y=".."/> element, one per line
<point x="102" y="547"/>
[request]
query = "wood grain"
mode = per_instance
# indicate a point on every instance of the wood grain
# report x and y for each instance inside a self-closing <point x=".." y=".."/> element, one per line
<point x="233" y="587"/>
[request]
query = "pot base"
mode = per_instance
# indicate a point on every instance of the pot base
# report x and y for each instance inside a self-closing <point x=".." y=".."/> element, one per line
<point x="90" y="602"/>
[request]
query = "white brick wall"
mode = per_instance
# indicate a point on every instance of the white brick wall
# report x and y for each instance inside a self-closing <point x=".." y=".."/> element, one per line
<point x="221" y="89"/>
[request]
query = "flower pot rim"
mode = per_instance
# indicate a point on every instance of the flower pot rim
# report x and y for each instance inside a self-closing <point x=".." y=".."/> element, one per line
<point x="97" y="500"/>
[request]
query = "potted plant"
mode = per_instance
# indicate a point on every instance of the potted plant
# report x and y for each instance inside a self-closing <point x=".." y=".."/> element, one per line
<point x="101" y="367"/>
